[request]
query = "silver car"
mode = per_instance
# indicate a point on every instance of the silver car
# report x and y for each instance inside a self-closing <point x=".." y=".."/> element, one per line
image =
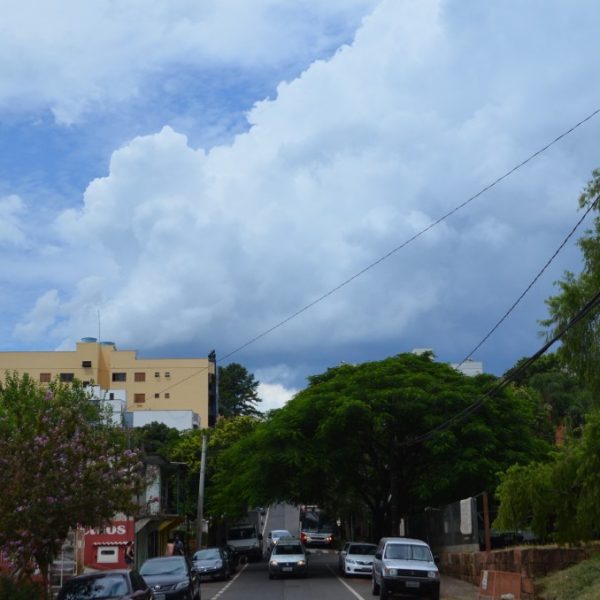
<point x="405" y="566"/>
<point x="275" y="535"/>
<point x="356" y="558"/>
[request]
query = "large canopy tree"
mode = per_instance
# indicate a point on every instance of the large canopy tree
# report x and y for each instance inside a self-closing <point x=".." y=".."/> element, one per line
<point x="62" y="464"/>
<point x="345" y="441"/>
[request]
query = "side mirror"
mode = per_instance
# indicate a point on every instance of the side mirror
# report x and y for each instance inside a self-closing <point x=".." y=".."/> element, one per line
<point x="436" y="558"/>
<point x="378" y="555"/>
<point x="260" y="537"/>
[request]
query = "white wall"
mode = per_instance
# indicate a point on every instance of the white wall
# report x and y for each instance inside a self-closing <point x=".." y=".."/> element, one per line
<point x="181" y="420"/>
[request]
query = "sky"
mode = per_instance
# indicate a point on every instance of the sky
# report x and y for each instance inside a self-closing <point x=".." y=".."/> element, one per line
<point x="248" y="176"/>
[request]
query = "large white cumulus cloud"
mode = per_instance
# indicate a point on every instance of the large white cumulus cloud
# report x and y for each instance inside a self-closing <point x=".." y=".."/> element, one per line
<point x="76" y="57"/>
<point x="363" y="150"/>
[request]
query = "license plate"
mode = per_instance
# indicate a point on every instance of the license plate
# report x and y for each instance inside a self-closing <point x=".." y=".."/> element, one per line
<point x="413" y="584"/>
<point x="286" y="569"/>
<point x="159" y="597"/>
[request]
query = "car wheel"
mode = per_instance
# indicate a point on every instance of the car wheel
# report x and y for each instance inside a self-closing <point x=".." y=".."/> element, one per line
<point x="271" y="576"/>
<point x="383" y="589"/>
<point x="374" y="587"/>
<point x="435" y="595"/>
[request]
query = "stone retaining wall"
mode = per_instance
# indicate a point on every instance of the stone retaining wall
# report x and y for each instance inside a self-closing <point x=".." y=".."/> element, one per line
<point x="530" y="562"/>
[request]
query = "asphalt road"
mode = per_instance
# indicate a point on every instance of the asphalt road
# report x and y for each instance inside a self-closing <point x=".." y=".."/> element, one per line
<point x="251" y="582"/>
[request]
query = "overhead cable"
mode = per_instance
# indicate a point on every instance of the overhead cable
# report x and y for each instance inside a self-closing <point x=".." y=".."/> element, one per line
<point x="414" y="237"/>
<point x="592" y="304"/>
<point x="562" y="245"/>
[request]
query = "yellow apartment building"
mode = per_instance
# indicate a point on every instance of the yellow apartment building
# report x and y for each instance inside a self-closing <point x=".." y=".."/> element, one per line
<point x="149" y="384"/>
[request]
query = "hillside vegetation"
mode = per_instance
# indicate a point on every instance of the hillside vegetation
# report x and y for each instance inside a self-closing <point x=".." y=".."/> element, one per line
<point x="579" y="582"/>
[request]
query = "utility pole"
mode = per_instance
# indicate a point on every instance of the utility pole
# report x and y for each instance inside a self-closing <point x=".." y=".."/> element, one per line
<point x="200" y="508"/>
<point x="486" y="523"/>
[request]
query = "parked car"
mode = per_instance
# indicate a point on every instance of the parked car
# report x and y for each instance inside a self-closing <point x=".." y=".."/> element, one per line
<point x="232" y="558"/>
<point x="406" y="566"/>
<point x="356" y="558"/>
<point x="171" y="578"/>
<point x="288" y="557"/>
<point x="211" y="562"/>
<point x="123" y="584"/>
<point x="275" y="535"/>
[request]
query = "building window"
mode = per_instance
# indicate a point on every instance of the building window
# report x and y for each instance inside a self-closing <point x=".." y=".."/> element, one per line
<point x="139" y="397"/>
<point x="157" y="395"/>
<point x="167" y="395"/>
<point x="167" y="374"/>
<point x="119" y="376"/>
<point x="156" y="374"/>
<point x="45" y="377"/>
<point x="139" y="377"/>
<point x="111" y="396"/>
<point x="67" y="377"/>
<point x="86" y="364"/>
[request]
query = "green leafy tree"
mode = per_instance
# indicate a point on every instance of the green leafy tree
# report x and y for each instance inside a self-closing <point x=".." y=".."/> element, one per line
<point x="580" y="348"/>
<point x="219" y="468"/>
<point x="344" y="441"/>
<point x="237" y="391"/>
<point x="188" y="449"/>
<point x="155" y="438"/>
<point x="558" y="498"/>
<point x="62" y="464"/>
<point x="563" y="399"/>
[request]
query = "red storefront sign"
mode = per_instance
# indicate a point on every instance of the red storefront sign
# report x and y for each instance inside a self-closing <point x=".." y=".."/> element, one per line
<point x="105" y="548"/>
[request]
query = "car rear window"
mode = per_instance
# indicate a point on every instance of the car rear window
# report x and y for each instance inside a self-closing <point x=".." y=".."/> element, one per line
<point x="362" y="549"/>
<point x="106" y="586"/>
<point x="163" y="566"/>
<point x="288" y="549"/>
<point x="241" y="533"/>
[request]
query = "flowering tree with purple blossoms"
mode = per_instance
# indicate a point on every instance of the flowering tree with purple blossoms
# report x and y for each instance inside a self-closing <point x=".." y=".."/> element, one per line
<point x="62" y="464"/>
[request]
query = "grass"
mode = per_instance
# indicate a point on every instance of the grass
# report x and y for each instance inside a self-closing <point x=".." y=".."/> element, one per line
<point x="579" y="582"/>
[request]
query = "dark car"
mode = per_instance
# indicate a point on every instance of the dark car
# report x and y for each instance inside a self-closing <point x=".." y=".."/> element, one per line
<point x="121" y="584"/>
<point x="171" y="578"/>
<point x="233" y="558"/>
<point x="211" y="562"/>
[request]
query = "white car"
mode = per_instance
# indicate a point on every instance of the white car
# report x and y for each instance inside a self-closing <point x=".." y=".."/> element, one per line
<point x="356" y="558"/>
<point x="405" y="566"/>
<point x="288" y="558"/>
<point x="275" y="535"/>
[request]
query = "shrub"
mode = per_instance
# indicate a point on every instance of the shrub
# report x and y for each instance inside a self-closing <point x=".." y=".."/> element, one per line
<point x="19" y="590"/>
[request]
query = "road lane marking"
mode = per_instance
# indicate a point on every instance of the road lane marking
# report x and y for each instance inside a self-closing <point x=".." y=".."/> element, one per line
<point x="346" y="585"/>
<point x="229" y="583"/>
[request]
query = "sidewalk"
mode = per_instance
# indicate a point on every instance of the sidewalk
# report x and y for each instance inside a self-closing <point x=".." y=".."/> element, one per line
<point x="455" y="589"/>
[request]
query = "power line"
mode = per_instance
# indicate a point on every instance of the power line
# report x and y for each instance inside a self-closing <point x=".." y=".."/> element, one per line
<point x="414" y="237"/>
<point x="504" y="381"/>
<point x="516" y="302"/>
<point x="406" y="243"/>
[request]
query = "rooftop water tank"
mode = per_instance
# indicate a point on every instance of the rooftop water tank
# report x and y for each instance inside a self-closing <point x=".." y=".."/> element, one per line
<point x="89" y="340"/>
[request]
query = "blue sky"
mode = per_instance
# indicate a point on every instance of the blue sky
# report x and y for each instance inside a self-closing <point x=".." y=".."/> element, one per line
<point x="198" y="172"/>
